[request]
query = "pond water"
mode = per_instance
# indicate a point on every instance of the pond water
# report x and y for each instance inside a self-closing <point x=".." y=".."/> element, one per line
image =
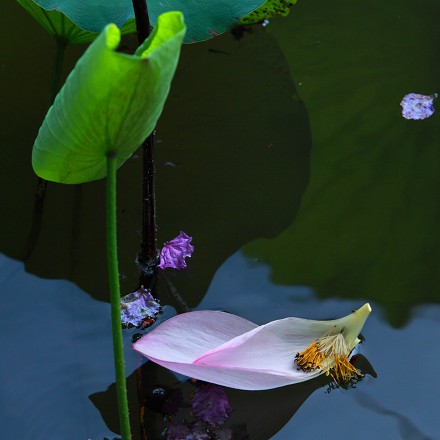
<point x="285" y="155"/>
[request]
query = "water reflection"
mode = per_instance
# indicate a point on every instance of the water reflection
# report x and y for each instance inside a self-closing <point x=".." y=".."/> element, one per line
<point x="57" y="350"/>
<point x="242" y="286"/>
<point x="233" y="130"/>
<point x="255" y="415"/>
<point x="368" y="224"/>
<point x="58" y="364"/>
<point x="407" y="428"/>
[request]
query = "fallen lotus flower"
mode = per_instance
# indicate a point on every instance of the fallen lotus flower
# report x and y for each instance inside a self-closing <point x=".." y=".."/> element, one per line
<point x="228" y="350"/>
<point x="175" y="251"/>
<point x="416" y="106"/>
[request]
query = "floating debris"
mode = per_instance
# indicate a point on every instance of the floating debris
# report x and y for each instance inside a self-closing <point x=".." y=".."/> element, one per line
<point x="416" y="106"/>
<point x="139" y="309"/>
<point x="175" y="251"/>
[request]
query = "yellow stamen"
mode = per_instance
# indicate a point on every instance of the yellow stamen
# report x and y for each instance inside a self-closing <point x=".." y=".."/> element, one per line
<point x="330" y="354"/>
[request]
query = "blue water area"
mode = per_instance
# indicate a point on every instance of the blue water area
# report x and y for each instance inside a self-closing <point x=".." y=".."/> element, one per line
<point x="58" y="352"/>
<point x="57" y="342"/>
<point x="395" y="405"/>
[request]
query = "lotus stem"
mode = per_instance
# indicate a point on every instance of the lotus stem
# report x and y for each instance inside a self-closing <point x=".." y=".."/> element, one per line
<point x="147" y="258"/>
<point x="57" y="69"/>
<point x="115" y="298"/>
<point x="143" y="26"/>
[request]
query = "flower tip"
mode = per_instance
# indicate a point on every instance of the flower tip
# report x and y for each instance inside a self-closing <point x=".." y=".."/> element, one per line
<point x="361" y="315"/>
<point x="366" y="308"/>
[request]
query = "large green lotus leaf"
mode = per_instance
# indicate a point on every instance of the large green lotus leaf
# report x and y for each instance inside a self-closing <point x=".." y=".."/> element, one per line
<point x="268" y="10"/>
<point x="57" y="24"/>
<point x="61" y="27"/>
<point x="205" y="18"/>
<point x="368" y="225"/>
<point x="109" y="104"/>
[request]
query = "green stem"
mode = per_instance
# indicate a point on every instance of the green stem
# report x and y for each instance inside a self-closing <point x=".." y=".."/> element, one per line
<point x="57" y="69"/>
<point x="115" y="298"/>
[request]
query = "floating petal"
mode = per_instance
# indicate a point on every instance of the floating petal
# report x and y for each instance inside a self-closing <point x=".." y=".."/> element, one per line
<point x="415" y="106"/>
<point x="227" y="350"/>
<point x="139" y="309"/>
<point x="175" y="251"/>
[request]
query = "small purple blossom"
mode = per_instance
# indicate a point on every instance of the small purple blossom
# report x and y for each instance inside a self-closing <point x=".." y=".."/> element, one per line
<point x="415" y="106"/>
<point x="139" y="309"/>
<point x="175" y="251"/>
<point x="210" y="404"/>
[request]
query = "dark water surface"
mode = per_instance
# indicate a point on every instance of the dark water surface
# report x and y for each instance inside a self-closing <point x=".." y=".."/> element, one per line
<point x="285" y="156"/>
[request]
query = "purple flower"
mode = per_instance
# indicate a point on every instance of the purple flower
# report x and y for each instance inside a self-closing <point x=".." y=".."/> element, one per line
<point x="210" y="404"/>
<point x="139" y="309"/>
<point x="175" y="251"/>
<point x="415" y="106"/>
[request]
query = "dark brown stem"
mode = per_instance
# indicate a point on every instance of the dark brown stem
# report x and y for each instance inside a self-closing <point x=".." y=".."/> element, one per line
<point x="147" y="258"/>
<point x="143" y="26"/>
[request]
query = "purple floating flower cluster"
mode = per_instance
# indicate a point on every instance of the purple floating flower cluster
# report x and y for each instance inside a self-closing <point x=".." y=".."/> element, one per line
<point x="416" y="106"/>
<point x="175" y="251"/>
<point x="210" y="409"/>
<point x="210" y="404"/>
<point x="139" y="309"/>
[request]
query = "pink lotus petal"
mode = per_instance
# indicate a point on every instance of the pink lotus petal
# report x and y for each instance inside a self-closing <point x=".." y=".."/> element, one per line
<point x="227" y="350"/>
<point x="197" y="333"/>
